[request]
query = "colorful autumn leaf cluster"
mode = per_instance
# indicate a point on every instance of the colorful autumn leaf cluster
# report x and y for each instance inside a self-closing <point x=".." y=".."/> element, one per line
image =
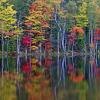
<point x="77" y="30"/>
<point x="26" y="68"/>
<point x="97" y="31"/>
<point x="37" y="85"/>
<point x="39" y="15"/>
<point x="37" y="21"/>
<point x="75" y="74"/>
<point x="26" y="40"/>
<point x="8" y="19"/>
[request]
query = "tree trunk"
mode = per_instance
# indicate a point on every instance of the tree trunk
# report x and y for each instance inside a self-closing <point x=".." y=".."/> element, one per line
<point x="26" y="53"/>
<point x="7" y="42"/>
<point x="18" y="64"/>
<point x="17" y="45"/>
<point x="40" y="57"/>
<point x="58" y="42"/>
<point x="2" y="54"/>
<point x="63" y="38"/>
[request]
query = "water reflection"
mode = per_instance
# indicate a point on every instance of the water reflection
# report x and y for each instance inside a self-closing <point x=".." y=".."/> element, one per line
<point x="50" y="78"/>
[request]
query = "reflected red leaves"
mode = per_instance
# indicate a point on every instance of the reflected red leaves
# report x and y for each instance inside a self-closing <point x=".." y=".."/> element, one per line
<point x="45" y="83"/>
<point x="26" y="68"/>
<point x="76" y="78"/>
<point x="29" y="87"/>
<point x="72" y="72"/>
<point x="47" y="63"/>
<point x="98" y="73"/>
<point x="36" y="86"/>
<point x="46" y="90"/>
<point x="26" y="40"/>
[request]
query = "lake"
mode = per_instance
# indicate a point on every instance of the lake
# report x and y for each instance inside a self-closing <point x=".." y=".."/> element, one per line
<point x="50" y="78"/>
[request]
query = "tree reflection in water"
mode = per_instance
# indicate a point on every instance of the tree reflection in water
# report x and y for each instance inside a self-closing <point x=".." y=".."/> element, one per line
<point x="51" y="78"/>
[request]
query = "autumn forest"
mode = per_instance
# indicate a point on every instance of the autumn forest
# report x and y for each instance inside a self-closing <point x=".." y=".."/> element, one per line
<point x="49" y="48"/>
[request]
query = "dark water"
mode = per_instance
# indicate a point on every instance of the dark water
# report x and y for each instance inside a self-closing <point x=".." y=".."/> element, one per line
<point x="50" y="78"/>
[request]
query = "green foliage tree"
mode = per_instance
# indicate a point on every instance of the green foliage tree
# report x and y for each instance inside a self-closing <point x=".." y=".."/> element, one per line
<point x="81" y="17"/>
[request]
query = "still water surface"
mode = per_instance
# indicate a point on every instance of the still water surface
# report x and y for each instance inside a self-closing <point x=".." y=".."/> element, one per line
<point x="50" y="78"/>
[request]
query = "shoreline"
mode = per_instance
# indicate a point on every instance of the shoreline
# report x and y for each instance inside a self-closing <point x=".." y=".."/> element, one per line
<point x="47" y="54"/>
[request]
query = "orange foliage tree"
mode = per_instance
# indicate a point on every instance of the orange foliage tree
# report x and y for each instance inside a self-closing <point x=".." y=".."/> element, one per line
<point x="38" y="21"/>
<point x="77" y="30"/>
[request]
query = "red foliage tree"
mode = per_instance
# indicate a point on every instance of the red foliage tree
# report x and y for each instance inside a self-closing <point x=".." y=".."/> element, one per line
<point x="29" y="23"/>
<point x="97" y="31"/>
<point x="77" y="30"/>
<point x="26" y="40"/>
<point x="97" y="34"/>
